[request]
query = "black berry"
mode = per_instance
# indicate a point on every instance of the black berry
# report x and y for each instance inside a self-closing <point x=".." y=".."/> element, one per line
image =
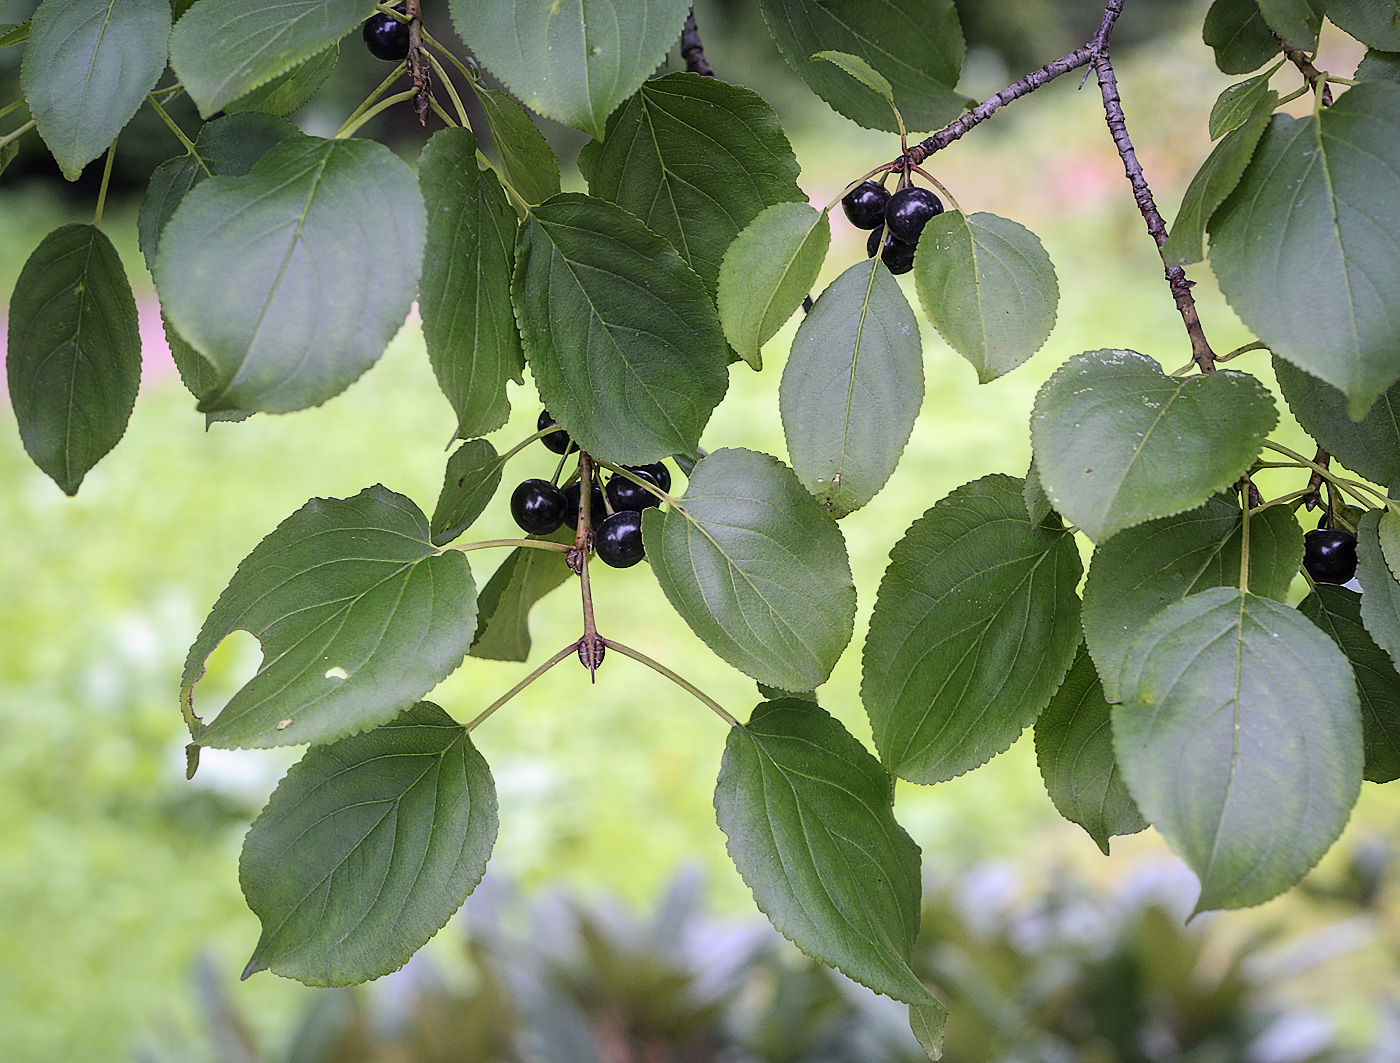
<point x="657" y="473"/>
<point x="897" y="255"/>
<point x="865" y="205"/>
<point x="596" y="509"/>
<point x="538" y="507"/>
<point x="386" y="38"/>
<point x="909" y="210"/>
<point x="872" y="242"/>
<point x="619" y="539"/>
<point x="1329" y="555"/>
<point x="625" y="494"/>
<point x="558" y="441"/>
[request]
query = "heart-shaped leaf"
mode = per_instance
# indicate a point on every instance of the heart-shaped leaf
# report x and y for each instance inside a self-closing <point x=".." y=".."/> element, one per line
<point x="473" y="474"/>
<point x="1119" y="442"/>
<point x="366" y="848"/>
<point x="1370" y="446"/>
<point x="358" y="616"/>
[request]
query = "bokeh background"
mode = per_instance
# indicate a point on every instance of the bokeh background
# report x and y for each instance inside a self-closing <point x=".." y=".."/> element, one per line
<point x="121" y="925"/>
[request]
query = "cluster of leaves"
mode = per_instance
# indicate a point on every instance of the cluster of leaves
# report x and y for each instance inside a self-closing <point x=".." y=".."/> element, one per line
<point x="1181" y="691"/>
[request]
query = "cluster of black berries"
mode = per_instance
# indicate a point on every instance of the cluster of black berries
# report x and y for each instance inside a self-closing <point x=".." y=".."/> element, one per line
<point x="386" y="37"/>
<point x="614" y="508"/>
<point x="1329" y="554"/>
<point x="897" y="220"/>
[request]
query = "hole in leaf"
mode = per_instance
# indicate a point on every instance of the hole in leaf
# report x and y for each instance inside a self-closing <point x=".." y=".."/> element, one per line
<point x="337" y="673"/>
<point x="233" y="663"/>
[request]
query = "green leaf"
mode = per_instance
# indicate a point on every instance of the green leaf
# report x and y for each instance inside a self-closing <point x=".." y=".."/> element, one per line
<point x="1038" y="505"/>
<point x="975" y="624"/>
<point x="1239" y="36"/>
<point x="1370" y="446"/>
<point x="696" y="159"/>
<point x="1379" y="66"/>
<point x="526" y="576"/>
<point x="1372" y="22"/>
<point x="852" y="388"/>
<point x="1337" y="611"/>
<point x="1218" y="176"/>
<point x="1380" y="598"/>
<point x="1296" y="21"/>
<point x="468" y="324"/>
<point x="289" y="91"/>
<point x="1119" y="442"/>
<point x="1388" y="531"/>
<point x="916" y="45"/>
<point x="767" y="271"/>
<point x="756" y="568"/>
<point x="12" y="33"/>
<point x="1322" y="291"/>
<point x="806" y="814"/>
<point x="223" y="51"/>
<point x="927" y="1021"/>
<point x="1074" y="748"/>
<point x="197" y="373"/>
<point x="989" y="288"/>
<point x="311" y="287"/>
<point x="621" y="337"/>
<point x="74" y="353"/>
<point x="87" y="68"/>
<point x="358" y="616"/>
<point x="366" y="848"/>
<point x="1240" y="739"/>
<point x="573" y="60"/>
<point x="1234" y="106"/>
<point x="8" y="154"/>
<point x="859" y="69"/>
<point x="1143" y="570"/>
<point x="472" y="477"/>
<point x="526" y="159"/>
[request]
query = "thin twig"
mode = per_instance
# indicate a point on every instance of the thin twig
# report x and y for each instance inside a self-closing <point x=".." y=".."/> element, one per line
<point x="692" y="51"/>
<point x="417" y="69"/>
<point x="590" y="646"/>
<point x="1313" y="498"/>
<point x="1299" y="58"/>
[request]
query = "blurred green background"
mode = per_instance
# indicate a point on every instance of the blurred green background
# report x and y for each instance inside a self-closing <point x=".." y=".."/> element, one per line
<point x="115" y="872"/>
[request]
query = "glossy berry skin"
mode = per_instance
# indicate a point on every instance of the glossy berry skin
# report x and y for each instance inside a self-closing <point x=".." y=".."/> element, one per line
<point x="872" y="243"/>
<point x="558" y="441"/>
<point x="865" y="205"/>
<point x="619" y="539"/>
<point x="596" y="508"/>
<point x="538" y="507"/>
<point x="386" y="38"/>
<point x="1329" y="555"/>
<point x="657" y="473"/>
<point x="897" y="255"/>
<point x="909" y="210"/>
<point x="624" y="494"/>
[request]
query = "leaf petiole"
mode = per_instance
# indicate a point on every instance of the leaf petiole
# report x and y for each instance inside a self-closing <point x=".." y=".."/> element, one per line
<point x="185" y="141"/>
<point x="486" y="712"/>
<point x="352" y="125"/>
<point x="656" y="666"/>
<point x="618" y="470"/>
<point x="487" y="544"/>
<point x="379" y="90"/>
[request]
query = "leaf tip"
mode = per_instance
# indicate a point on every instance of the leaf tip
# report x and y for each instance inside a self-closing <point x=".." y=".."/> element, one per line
<point x="255" y="965"/>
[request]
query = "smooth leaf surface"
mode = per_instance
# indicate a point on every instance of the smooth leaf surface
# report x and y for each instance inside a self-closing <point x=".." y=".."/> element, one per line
<point x="527" y="160"/>
<point x="366" y="848"/>
<point x="73" y="362"/>
<point x="1370" y="446"/>
<point x="1141" y="571"/>
<point x="1237" y="33"/>
<point x="805" y="810"/>
<point x="1038" y="505"/>
<point x="1337" y="611"/>
<point x="1074" y="748"/>
<point x="1373" y="22"/>
<point x="1239" y="735"/>
<point x="859" y="69"/>
<point x="223" y="51"/>
<point x="468" y="323"/>
<point x="290" y="91"/>
<point x="696" y="159"/>
<point x="1213" y="183"/>
<point x="1380" y="593"/>
<point x="358" y="617"/>
<point x="621" y="337"/>
<point x="574" y="60"/>
<point x="917" y="45"/>
<point x="756" y="568"/>
<point x="1322" y="291"/>
<point x="87" y="67"/>
<point x="1234" y="106"/>
<point x="766" y="273"/>
<point x="473" y="474"/>
<point x="310" y="290"/>
<point x="1119" y="442"/>
<point x="989" y="288"/>
<point x="975" y="624"/>
<point x="1296" y="21"/>
<point x="525" y="576"/>
<point x="1379" y="66"/>
<point x="852" y="388"/>
<point x="928" y="1021"/>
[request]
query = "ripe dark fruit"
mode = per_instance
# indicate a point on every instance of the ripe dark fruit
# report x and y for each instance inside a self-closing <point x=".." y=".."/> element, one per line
<point x="897" y="255"/>
<point x="538" y="507"/>
<point x="596" y="509"/>
<point x="865" y="205"/>
<point x="872" y="242"/>
<point x="386" y="38"/>
<point x="558" y="441"/>
<point x="1329" y="555"/>
<point x="619" y="539"/>
<point x="657" y="473"/>
<point x="909" y="210"/>
<point x="624" y="494"/>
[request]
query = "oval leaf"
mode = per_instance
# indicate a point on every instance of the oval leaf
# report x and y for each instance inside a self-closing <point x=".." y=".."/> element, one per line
<point x="1373" y="22"/>
<point x="1379" y="66"/>
<point x="852" y="388"/>
<point x="1240" y="738"/>
<point x="756" y="568"/>
<point x="975" y="624"/>
<point x="1119" y="442"/>
<point x="366" y="848"/>
<point x="1234" y="106"/>
<point x="1322" y="291"/>
<point x="1296" y="21"/>
<point x="1370" y="446"/>
<point x="358" y="617"/>
<point x="989" y="288"/>
<point x="806" y="814"/>
<point x="289" y="92"/>
<point x="74" y="353"/>
<point x="310" y="289"/>
<point x="527" y="161"/>
<point x="1237" y="33"/>
<point x="620" y="335"/>
<point x="472" y="477"/>
<point x="87" y="68"/>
